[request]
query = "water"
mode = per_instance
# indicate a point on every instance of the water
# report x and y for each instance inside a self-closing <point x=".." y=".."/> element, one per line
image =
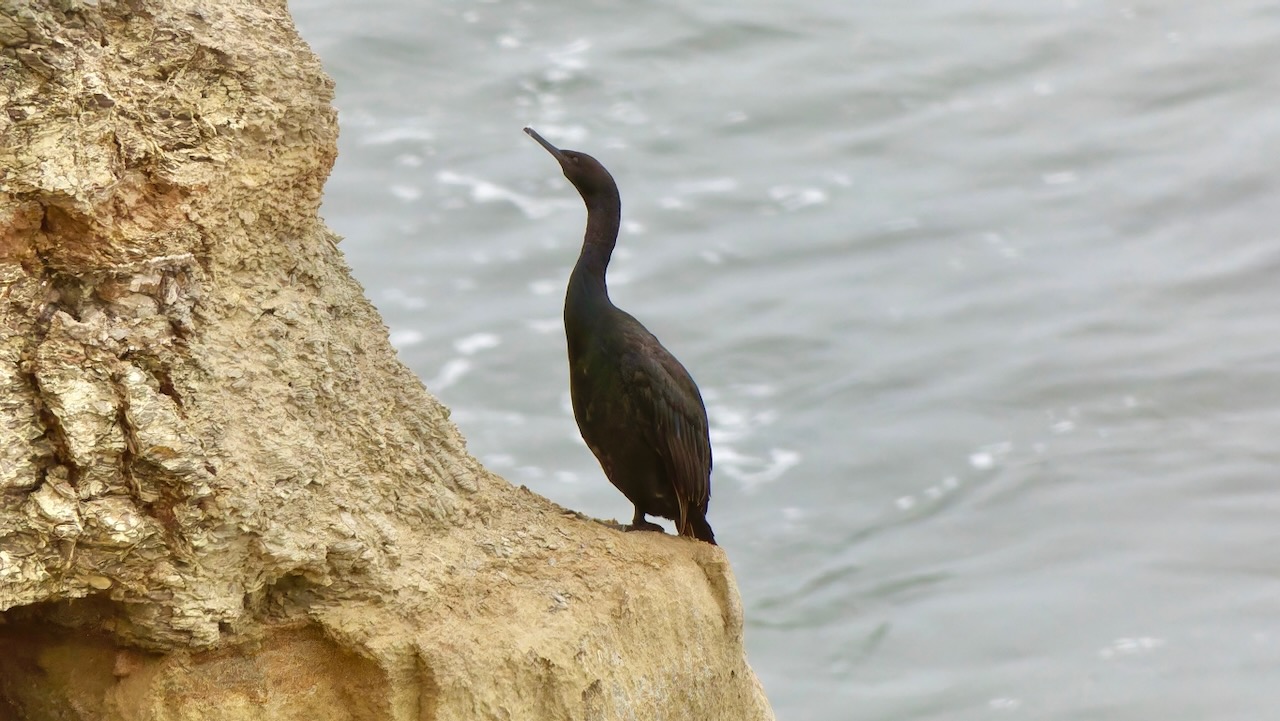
<point x="980" y="296"/>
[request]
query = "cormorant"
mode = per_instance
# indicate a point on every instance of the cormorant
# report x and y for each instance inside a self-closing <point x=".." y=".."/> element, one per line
<point x="638" y="409"/>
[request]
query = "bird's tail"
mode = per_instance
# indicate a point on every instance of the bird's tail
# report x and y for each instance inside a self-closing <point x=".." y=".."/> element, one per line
<point x="698" y="527"/>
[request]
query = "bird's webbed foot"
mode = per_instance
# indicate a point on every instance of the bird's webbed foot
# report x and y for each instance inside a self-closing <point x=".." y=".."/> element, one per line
<point x="638" y="523"/>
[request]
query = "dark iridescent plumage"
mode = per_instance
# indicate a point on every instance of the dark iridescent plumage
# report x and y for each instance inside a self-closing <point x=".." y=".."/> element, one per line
<point x="638" y="409"/>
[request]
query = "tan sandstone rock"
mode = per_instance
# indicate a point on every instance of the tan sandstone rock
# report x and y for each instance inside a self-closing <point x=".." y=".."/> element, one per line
<point x="221" y="494"/>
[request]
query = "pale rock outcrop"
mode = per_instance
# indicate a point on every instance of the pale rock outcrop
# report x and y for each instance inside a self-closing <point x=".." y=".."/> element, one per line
<point x="221" y="495"/>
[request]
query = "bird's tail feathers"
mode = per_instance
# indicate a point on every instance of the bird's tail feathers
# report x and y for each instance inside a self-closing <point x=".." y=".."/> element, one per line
<point x="698" y="527"/>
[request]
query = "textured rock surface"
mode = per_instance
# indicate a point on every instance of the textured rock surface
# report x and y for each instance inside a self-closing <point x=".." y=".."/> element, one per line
<point x="220" y="492"/>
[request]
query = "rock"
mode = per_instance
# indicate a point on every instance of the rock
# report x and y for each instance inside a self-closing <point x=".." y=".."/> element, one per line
<point x="221" y="494"/>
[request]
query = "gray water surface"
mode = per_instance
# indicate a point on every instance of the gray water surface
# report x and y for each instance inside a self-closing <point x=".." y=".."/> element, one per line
<point x="981" y="296"/>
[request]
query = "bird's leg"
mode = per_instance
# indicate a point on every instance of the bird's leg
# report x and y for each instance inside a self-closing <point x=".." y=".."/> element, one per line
<point x="639" y="524"/>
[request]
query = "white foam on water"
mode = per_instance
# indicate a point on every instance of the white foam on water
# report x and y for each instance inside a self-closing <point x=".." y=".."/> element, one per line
<point x="998" y="243"/>
<point x="405" y="338"/>
<point x="449" y="374"/>
<point x="627" y="113"/>
<point x="405" y="193"/>
<point x="543" y="287"/>
<point x="483" y="191"/>
<point x="567" y="61"/>
<point x="1130" y="646"/>
<point x="795" y="197"/>
<point x="499" y="460"/>
<point x="397" y="135"/>
<point x="989" y="455"/>
<point x="544" y="325"/>
<point x="727" y="424"/>
<point x="397" y="297"/>
<point x="472" y="344"/>
<point x="932" y="493"/>
<point x="707" y="186"/>
<point x="357" y="118"/>
<point x="754" y="471"/>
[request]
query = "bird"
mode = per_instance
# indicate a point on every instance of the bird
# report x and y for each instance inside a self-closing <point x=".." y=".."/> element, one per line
<point x="638" y="409"/>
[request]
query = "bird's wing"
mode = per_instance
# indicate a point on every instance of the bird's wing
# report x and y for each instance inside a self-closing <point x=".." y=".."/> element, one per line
<point x="674" y="421"/>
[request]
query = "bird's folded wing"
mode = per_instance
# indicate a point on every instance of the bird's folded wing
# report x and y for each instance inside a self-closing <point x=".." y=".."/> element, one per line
<point x="675" y="424"/>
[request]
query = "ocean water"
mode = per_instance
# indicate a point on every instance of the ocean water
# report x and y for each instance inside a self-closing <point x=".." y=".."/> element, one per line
<point x="982" y="298"/>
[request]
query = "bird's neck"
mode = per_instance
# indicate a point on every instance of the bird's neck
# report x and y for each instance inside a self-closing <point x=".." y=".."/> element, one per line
<point x="603" y="218"/>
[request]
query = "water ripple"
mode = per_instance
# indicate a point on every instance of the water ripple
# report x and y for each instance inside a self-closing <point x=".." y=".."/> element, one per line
<point x="472" y="344"/>
<point x="449" y="374"/>
<point x="483" y="191"/>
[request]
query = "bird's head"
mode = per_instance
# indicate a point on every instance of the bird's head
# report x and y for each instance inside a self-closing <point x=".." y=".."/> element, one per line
<point x="585" y="172"/>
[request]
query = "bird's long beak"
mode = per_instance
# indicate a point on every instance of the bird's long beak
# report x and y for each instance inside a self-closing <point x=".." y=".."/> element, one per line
<point x="543" y="142"/>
